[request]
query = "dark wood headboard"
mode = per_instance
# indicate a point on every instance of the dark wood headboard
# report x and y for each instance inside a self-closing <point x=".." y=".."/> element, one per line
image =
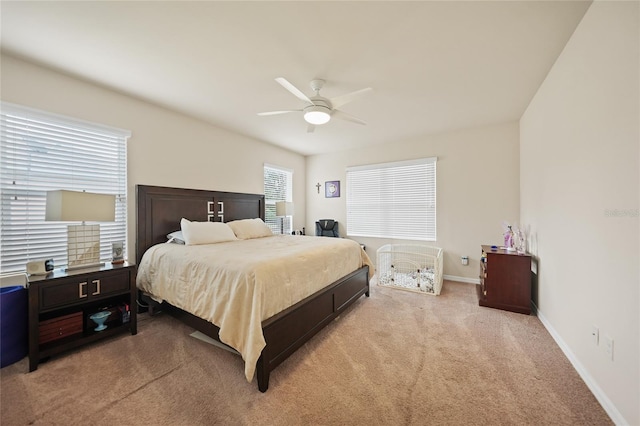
<point x="159" y="210"/>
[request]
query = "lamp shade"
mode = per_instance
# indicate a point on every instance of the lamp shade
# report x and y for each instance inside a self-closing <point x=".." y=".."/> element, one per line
<point x="74" y="206"/>
<point x="284" y="208"/>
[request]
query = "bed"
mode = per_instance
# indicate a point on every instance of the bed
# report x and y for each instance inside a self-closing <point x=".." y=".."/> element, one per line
<point x="159" y="211"/>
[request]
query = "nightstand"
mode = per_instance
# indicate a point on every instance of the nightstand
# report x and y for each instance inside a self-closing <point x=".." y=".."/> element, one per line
<point x="61" y="302"/>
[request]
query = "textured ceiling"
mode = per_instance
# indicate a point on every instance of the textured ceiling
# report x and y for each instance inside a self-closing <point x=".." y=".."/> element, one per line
<point x="434" y="66"/>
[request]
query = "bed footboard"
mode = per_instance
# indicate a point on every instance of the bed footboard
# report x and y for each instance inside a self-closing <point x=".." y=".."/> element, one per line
<point x="292" y="328"/>
<point x="287" y="331"/>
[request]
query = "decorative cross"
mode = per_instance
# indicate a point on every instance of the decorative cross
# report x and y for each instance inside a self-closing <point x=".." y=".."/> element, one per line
<point x="318" y="186"/>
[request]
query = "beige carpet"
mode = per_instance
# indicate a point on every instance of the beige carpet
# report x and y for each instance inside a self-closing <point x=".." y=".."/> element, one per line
<point x="396" y="358"/>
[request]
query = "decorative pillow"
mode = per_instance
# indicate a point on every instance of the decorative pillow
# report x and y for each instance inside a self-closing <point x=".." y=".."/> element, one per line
<point x="205" y="232"/>
<point x="250" y="228"/>
<point x="175" y="237"/>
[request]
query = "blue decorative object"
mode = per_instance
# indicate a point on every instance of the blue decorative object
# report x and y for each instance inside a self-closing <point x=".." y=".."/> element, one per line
<point x="99" y="318"/>
<point x="14" y="341"/>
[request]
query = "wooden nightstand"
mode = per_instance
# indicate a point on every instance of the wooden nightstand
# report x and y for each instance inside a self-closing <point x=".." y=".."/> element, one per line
<point x="61" y="302"/>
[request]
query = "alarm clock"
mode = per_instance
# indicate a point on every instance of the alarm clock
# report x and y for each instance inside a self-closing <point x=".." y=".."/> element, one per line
<point x="40" y="267"/>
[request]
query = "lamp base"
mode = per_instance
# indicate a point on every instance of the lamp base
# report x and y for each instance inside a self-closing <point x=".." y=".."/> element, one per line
<point x="83" y="246"/>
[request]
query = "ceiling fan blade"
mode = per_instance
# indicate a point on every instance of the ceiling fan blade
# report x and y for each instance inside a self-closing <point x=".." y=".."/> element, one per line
<point x="348" y="117"/>
<point x="293" y="89"/>
<point x="311" y="128"/>
<point x="279" y="112"/>
<point x="338" y="101"/>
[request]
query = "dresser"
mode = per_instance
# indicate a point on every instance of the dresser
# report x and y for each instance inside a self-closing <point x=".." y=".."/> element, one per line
<point x="505" y="280"/>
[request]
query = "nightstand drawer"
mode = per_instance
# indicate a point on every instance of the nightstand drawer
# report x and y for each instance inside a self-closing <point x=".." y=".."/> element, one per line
<point x="109" y="283"/>
<point x="63" y="293"/>
<point x="71" y="291"/>
<point x="59" y="327"/>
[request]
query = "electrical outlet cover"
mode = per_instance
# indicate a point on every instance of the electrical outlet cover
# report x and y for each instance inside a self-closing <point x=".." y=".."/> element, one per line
<point x="608" y="346"/>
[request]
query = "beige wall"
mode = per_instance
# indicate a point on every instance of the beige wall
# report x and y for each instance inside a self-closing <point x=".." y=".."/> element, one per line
<point x="580" y="192"/>
<point x="477" y="188"/>
<point x="166" y="148"/>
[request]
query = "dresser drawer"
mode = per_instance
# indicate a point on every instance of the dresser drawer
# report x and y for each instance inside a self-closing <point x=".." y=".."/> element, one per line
<point x="59" y="327"/>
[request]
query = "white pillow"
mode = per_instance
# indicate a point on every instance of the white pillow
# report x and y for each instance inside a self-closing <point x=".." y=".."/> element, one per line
<point x="250" y="228"/>
<point x="175" y="237"/>
<point x="205" y="232"/>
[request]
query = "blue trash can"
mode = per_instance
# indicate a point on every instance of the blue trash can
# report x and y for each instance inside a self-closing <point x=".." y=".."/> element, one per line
<point x="13" y="324"/>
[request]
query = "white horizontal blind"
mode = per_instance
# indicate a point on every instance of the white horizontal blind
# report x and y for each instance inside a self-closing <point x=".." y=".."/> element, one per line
<point x="40" y="152"/>
<point x="278" y="186"/>
<point x="393" y="200"/>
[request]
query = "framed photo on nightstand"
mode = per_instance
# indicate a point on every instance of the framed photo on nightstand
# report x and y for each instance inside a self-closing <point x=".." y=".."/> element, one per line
<point x="332" y="189"/>
<point x="117" y="252"/>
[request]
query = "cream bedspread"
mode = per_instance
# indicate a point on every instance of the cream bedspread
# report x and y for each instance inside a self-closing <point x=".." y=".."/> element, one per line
<point x="238" y="284"/>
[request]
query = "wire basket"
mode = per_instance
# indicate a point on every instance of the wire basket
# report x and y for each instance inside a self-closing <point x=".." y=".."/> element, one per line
<point x="412" y="267"/>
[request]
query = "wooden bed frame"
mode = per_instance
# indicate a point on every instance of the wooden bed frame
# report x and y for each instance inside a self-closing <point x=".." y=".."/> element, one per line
<point x="159" y="210"/>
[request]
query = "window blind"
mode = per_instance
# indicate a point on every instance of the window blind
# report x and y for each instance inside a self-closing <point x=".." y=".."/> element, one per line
<point x="393" y="200"/>
<point x="40" y="152"/>
<point x="278" y="186"/>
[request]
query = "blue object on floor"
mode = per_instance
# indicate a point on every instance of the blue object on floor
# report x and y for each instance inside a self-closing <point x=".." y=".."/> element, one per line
<point x="13" y="324"/>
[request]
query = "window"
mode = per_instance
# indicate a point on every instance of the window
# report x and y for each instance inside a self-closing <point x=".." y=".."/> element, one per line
<point x="277" y="187"/>
<point x="393" y="200"/>
<point x="40" y="152"/>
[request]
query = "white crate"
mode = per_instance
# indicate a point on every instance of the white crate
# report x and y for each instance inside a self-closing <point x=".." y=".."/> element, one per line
<point x="412" y="267"/>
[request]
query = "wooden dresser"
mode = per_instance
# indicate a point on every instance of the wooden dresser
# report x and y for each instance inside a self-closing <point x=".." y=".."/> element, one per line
<point x="505" y="280"/>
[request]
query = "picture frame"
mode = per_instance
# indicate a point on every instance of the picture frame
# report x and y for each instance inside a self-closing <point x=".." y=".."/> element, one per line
<point x="332" y="189"/>
<point x="117" y="252"/>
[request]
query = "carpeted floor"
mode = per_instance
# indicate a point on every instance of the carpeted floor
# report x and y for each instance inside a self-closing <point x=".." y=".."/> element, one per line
<point x="396" y="358"/>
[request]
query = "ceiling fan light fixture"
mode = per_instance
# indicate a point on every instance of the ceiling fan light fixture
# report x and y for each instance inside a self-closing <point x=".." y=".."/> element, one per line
<point x="317" y="115"/>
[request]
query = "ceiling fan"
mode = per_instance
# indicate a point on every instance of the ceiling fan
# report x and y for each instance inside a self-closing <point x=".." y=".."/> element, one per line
<point x="320" y="109"/>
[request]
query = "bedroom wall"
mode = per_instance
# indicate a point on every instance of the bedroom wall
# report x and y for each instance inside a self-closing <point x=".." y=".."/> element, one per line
<point x="477" y="189"/>
<point x="579" y="162"/>
<point x="166" y="148"/>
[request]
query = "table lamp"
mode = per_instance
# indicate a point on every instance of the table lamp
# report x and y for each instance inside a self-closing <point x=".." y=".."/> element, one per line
<point x="283" y="208"/>
<point x="83" y="241"/>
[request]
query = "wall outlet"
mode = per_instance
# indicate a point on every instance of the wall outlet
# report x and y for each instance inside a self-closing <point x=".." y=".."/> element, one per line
<point x="595" y="335"/>
<point x="608" y="346"/>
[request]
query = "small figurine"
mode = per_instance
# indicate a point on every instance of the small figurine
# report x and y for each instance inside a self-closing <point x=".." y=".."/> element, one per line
<point x="508" y="238"/>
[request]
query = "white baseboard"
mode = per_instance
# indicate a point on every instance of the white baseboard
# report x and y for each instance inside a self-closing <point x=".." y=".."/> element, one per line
<point x="602" y="398"/>
<point x="462" y="279"/>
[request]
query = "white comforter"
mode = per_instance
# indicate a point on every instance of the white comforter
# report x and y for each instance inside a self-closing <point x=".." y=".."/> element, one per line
<point x="238" y="284"/>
